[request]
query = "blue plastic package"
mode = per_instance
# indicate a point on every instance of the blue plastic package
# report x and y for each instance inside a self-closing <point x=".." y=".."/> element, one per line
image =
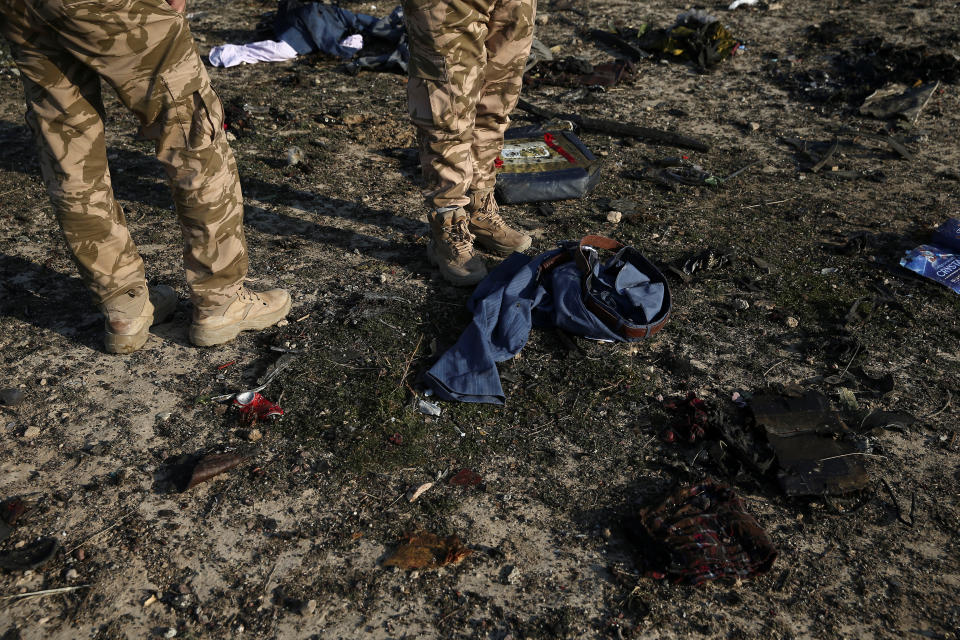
<point x="939" y="261"/>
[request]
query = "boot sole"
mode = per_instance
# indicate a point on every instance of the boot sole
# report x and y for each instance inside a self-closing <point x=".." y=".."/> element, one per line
<point x="209" y="337"/>
<point x="128" y="343"/>
<point x="501" y="249"/>
<point x="124" y="344"/>
<point x="449" y="276"/>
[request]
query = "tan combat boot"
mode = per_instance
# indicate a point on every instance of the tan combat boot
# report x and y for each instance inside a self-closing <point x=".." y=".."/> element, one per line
<point x="130" y="315"/>
<point x="451" y="248"/>
<point x="249" y="310"/>
<point x="490" y="229"/>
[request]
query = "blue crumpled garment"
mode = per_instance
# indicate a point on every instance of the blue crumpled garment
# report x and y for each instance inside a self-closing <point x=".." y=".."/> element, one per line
<point x="313" y="26"/>
<point x="511" y="300"/>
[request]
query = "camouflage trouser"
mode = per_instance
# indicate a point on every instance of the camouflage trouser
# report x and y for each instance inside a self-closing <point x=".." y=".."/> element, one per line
<point x="466" y="70"/>
<point x="144" y="50"/>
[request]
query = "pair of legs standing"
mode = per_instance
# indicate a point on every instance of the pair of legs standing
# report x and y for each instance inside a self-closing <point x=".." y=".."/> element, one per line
<point x="144" y="50"/>
<point x="466" y="72"/>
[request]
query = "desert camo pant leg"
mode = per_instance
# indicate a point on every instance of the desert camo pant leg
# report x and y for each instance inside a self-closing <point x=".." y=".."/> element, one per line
<point x="453" y="45"/>
<point x="144" y="50"/>
<point x="508" y="46"/>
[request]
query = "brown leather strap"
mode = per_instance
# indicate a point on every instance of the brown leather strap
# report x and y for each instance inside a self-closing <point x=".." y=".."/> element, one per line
<point x="553" y="262"/>
<point x="597" y="242"/>
<point x="614" y="323"/>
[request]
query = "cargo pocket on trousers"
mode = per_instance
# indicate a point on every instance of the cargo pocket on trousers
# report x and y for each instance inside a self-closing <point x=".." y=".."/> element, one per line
<point x="207" y="119"/>
<point x="431" y="95"/>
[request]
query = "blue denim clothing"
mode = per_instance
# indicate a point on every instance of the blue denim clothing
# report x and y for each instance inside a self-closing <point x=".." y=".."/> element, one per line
<point x="511" y="300"/>
<point x="311" y="27"/>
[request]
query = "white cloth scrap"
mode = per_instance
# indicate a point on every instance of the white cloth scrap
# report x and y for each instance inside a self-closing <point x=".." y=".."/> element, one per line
<point x="741" y="3"/>
<point x="353" y="42"/>
<point x="230" y="55"/>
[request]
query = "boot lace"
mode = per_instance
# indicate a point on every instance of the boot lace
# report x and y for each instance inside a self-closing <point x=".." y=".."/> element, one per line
<point x="246" y="295"/>
<point x="461" y="240"/>
<point x="488" y="211"/>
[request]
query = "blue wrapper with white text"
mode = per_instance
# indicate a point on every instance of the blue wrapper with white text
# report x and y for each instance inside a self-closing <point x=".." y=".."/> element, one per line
<point x="939" y="261"/>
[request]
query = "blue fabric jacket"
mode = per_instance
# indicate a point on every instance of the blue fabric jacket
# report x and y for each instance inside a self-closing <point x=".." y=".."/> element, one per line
<point x="512" y="299"/>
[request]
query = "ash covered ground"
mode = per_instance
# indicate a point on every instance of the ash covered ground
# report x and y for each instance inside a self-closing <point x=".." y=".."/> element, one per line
<point x="289" y="544"/>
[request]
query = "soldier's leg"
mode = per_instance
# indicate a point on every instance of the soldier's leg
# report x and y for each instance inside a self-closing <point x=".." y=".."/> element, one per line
<point x="508" y="45"/>
<point x="144" y="49"/>
<point x="64" y="110"/>
<point x="447" y="57"/>
<point x="446" y="73"/>
<point x="510" y="34"/>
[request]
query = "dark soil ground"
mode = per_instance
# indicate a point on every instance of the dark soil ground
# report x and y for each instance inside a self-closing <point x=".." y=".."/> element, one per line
<point x="289" y="543"/>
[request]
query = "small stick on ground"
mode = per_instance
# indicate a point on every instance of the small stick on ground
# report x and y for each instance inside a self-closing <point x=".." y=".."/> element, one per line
<point x="413" y="355"/>
<point x="45" y="592"/>
<point x="104" y="530"/>
<point x="826" y="157"/>
<point x="944" y="407"/>
<point x="766" y="204"/>
<point x="449" y="615"/>
<point x="855" y="453"/>
<point x="847" y="368"/>
<point x="896" y="505"/>
<point x="741" y="170"/>
<point x="774" y="366"/>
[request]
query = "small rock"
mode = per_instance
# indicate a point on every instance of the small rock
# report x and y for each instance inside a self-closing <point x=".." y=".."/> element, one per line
<point x="792" y="322"/>
<point x="848" y="400"/>
<point x="543" y="18"/>
<point x="164" y="416"/>
<point x="171" y="632"/>
<point x="510" y="575"/>
<point x="614" y="216"/>
<point x="11" y="397"/>
<point x="254" y="434"/>
<point x="754" y="126"/>
<point x="294" y="156"/>
<point x="308" y="608"/>
<point x="72" y="575"/>
<point x="231" y="137"/>
<point x="43" y="382"/>
<point x="283" y="323"/>
<point x="31" y="432"/>
<point x="740" y="304"/>
<point x="79" y="555"/>
<point x="607" y="533"/>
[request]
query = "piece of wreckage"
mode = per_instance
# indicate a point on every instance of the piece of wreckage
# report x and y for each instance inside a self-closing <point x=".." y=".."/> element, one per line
<point x="800" y="440"/>
<point x="695" y="36"/>
<point x="674" y="172"/>
<point x="700" y="533"/>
